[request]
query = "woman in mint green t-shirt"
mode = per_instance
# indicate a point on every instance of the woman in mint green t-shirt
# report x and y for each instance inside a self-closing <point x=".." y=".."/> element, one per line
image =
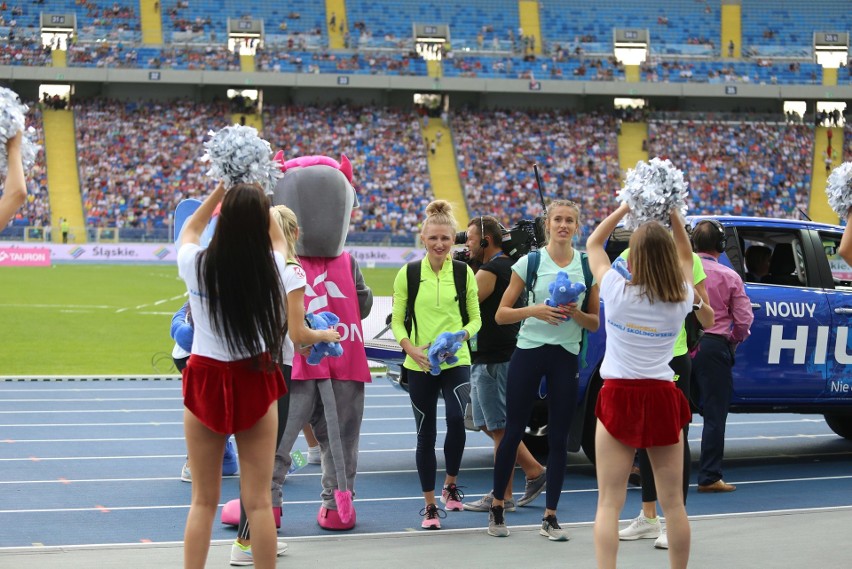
<point x="548" y="346"/>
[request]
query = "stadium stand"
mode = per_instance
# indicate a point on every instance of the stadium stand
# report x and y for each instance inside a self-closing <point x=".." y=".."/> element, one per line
<point x="739" y="168"/>
<point x="786" y="27"/>
<point x="578" y="155"/>
<point x="139" y="159"/>
<point x="387" y="152"/>
<point x="672" y="24"/>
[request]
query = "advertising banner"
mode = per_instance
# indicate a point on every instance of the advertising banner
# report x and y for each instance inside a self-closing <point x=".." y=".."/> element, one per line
<point x="24" y="257"/>
<point x="24" y="254"/>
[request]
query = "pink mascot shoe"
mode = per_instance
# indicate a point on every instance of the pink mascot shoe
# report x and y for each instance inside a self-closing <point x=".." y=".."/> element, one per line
<point x="231" y="514"/>
<point x="333" y="520"/>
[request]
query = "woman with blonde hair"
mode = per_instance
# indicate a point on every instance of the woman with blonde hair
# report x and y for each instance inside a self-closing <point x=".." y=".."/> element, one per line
<point x="437" y="309"/>
<point x="644" y="317"/>
<point x="549" y="344"/>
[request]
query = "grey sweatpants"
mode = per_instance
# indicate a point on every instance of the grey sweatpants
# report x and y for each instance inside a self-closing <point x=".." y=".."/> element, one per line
<point x="308" y="403"/>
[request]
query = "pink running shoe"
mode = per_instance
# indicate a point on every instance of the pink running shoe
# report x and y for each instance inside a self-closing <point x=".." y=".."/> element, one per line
<point x="431" y="515"/>
<point x="452" y="497"/>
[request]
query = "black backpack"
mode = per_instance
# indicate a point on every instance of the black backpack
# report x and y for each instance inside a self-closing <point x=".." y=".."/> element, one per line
<point x="533" y="262"/>
<point x="412" y="274"/>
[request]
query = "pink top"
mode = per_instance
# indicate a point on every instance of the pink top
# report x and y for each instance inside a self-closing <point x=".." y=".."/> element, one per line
<point x="728" y="300"/>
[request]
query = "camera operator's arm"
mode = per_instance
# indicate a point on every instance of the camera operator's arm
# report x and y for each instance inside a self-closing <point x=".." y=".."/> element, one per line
<point x="485" y="280"/>
<point x="506" y="314"/>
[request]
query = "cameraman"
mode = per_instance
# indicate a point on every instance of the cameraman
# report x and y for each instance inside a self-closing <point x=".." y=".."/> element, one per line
<point x="492" y="349"/>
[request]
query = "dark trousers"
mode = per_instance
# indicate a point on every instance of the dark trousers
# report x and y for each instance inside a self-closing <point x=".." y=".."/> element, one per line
<point x="283" y="412"/>
<point x="682" y="366"/>
<point x="714" y="380"/>
<point x="424" y="388"/>
<point x="526" y="368"/>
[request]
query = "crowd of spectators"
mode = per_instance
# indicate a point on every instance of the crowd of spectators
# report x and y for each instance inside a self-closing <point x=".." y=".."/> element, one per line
<point x="138" y="160"/>
<point x="286" y="61"/>
<point x="386" y="149"/>
<point x="577" y="156"/>
<point x="739" y="168"/>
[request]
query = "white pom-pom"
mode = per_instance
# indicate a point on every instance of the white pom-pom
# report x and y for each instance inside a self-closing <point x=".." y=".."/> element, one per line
<point x="839" y="189"/>
<point x="12" y="121"/>
<point x="238" y="155"/>
<point x="653" y="190"/>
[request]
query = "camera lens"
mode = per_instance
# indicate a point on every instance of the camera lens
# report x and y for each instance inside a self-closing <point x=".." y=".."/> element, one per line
<point x="461" y="237"/>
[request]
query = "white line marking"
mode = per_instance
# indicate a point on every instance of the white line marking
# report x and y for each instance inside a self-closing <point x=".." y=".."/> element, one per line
<point x="101" y="306"/>
<point x="96" y="399"/>
<point x="158" y="423"/>
<point x="425" y="535"/>
<point x="383" y="499"/>
<point x="54" y="411"/>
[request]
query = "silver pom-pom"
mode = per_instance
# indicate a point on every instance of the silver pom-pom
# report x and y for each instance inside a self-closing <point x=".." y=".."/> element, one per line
<point x="653" y="190"/>
<point x="839" y="189"/>
<point x="29" y="149"/>
<point x="12" y="121"/>
<point x="238" y="155"/>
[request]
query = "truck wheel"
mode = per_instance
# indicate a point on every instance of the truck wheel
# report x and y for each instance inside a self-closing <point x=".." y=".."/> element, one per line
<point x="591" y="421"/>
<point x="840" y="424"/>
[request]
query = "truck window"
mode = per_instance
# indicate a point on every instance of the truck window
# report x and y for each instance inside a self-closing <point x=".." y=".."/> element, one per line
<point x="841" y="272"/>
<point x="773" y="256"/>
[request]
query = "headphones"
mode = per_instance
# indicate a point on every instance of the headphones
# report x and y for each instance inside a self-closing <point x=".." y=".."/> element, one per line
<point x="483" y="242"/>
<point x="722" y="239"/>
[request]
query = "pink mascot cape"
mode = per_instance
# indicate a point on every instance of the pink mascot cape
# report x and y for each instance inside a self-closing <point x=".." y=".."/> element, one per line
<point x="319" y="191"/>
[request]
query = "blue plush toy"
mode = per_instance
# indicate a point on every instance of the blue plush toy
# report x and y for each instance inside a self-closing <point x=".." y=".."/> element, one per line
<point x="444" y="349"/>
<point x="620" y="266"/>
<point x="563" y="291"/>
<point x="323" y="321"/>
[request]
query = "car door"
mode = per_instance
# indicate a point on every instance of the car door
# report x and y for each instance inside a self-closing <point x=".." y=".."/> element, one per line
<point x="838" y="277"/>
<point x="784" y="357"/>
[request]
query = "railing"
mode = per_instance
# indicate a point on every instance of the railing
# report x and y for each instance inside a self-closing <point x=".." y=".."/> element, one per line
<point x="164" y="235"/>
<point x="779" y="51"/>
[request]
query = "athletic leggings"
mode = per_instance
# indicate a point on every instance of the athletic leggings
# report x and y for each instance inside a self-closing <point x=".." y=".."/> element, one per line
<point x="682" y="366"/>
<point x="424" y="388"/>
<point x="526" y="369"/>
<point x="283" y="411"/>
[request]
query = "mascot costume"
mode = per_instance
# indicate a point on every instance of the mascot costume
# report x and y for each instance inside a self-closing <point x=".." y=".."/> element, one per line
<point x="330" y="394"/>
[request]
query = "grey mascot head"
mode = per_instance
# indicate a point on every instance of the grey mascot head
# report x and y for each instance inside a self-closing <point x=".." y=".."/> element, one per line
<point x="319" y="191"/>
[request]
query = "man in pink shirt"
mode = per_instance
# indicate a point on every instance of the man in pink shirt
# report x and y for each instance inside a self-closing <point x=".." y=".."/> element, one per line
<point x="715" y="358"/>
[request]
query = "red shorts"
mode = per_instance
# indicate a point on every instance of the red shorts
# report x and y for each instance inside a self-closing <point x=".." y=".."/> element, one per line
<point x="643" y="413"/>
<point x="229" y="397"/>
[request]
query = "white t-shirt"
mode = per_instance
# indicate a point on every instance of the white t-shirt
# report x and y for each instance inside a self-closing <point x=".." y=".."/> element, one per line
<point x="640" y="336"/>
<point x="293" y="278"/>
<point x="204" y="341"/>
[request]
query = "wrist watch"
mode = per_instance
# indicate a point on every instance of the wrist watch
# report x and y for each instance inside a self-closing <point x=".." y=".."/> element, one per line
<point x="699" y="305"/>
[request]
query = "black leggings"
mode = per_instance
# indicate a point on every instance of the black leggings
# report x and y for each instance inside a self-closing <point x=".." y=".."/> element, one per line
<point x="526" y="369"/>
<point x="682" y="366"/>
<point x="283" y="412"/>
<point x="424" y="388"/>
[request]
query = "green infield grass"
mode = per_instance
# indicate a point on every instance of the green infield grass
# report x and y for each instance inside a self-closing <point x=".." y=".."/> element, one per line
<point x="98" y="319"/>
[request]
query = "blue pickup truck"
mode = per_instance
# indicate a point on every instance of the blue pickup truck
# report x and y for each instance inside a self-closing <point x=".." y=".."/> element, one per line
<point x="796" y="360"/>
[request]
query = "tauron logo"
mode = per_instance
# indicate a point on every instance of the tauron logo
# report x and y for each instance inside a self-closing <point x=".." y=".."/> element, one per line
<point x="320" y="301"/>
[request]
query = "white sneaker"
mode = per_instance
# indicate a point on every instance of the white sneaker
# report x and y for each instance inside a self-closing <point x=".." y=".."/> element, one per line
<point x="241" y="556"/>
<point x="662" y="542"/>
<point x="185" y="474"/>
<point x="641" y="528"/>
<point x="314" y="455"/>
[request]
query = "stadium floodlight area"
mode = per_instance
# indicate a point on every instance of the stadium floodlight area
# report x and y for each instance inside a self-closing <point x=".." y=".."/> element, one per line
<point x="430" y="39"/>
<point x="57" y="29"/>
<point x="245" y="35"/>
<point x="630" y="46"/>
<point x="831" y="49"/>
